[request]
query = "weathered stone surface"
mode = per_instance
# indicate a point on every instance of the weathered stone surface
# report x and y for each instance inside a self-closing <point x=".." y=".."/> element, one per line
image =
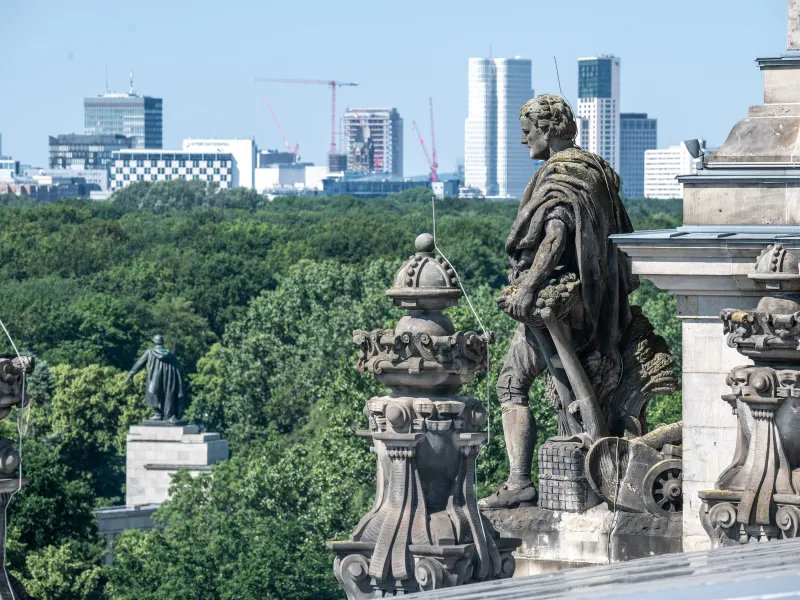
<point x="556" y="540"/>
<point x="154" y="454"/>
<point x="729" y="203"/>
<point x="793" y="29"/>
<point x="424" y="530"/>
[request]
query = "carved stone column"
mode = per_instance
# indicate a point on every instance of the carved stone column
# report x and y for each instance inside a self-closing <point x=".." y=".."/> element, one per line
<point x="757" y="498"/>
<point x="424" y="530"/>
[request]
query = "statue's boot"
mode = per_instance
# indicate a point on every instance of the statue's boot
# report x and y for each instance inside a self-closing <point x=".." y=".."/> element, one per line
<point x="519" y="429"/>
<point x="511" y="495"/>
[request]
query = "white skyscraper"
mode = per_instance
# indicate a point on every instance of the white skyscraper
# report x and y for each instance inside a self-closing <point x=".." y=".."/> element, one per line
<point x="599" y="104"/>
<point x="495" y="162"/>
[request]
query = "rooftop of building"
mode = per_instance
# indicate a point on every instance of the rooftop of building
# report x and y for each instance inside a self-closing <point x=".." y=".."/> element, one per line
<point x="87" y="138"/>
<point x="749" y="571"/>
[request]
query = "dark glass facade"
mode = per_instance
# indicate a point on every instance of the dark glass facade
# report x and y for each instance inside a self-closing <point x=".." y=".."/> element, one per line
<point x="139" y="117"/>
<point x="594" y="78"/>
<point x="637" y="134"/>
<point x="76" y="151"/>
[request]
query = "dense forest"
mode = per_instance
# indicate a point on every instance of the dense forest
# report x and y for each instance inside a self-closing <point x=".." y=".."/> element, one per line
<point x="258" y="299"/>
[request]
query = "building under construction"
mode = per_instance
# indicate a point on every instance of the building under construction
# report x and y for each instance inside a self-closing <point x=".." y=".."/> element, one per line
<point x="374" y="140"/>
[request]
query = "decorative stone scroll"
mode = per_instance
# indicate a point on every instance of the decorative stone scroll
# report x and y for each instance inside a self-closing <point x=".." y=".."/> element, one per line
<point x="757" y="497"/>
<point x="424" y="530"/>
<point x="13" y="370"/>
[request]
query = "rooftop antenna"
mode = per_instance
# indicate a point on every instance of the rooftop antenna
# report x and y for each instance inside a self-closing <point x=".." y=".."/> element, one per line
<point x="131" y="92"/>
<point x="107" y="77"/>
<point x="490" y="51"/>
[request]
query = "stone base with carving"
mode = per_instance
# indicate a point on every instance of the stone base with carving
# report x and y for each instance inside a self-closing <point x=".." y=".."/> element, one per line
<point x="557" y="540"/>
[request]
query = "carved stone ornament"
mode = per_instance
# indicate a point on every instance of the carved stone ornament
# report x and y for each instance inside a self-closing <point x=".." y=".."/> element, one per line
<point x="757" y="497"/>
<point x="424" y="530"/>
<point x="12" y="373"/>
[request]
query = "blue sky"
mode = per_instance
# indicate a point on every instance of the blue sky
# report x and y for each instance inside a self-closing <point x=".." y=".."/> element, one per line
<point x="688" y="63"/>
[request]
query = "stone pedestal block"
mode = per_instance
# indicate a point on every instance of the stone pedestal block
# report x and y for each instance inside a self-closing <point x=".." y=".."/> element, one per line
<point x="156" y="452"/>
<point x="556" y="540"/>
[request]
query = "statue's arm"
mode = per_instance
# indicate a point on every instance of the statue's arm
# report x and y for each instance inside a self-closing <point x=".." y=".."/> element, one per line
<point x="546" y="259"/>
<point x="138" y="366"/>
<point x="547" y="256"/>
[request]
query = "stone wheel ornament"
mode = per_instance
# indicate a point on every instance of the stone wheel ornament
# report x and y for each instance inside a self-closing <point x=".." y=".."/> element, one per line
<point x="662" y="490"/>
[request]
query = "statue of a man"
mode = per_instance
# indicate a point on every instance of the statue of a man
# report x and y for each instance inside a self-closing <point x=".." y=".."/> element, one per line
<point x="569" y="208"/>
<point x="164" y="392"/>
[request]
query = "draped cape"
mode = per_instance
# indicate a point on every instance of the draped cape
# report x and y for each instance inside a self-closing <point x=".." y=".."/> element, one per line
<point x="588" y="187"/>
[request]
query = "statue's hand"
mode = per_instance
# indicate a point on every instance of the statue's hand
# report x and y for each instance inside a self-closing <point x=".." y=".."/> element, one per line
<point x="517" y="302"/>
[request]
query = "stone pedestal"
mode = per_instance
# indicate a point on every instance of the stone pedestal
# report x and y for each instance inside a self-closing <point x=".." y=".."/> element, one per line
<point x="555" y="540"/>
<point x="156" y="453"/>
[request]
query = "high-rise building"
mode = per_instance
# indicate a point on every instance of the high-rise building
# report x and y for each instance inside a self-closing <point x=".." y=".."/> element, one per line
<point x="80" y="151"/>
<point x="131" y="115"/>
<point x="661" y="167"/>
<point x="495" y="162"/>
<point x="637" y="134"/>
<point x="374" y="140"/>
<point x="599" y="103"/>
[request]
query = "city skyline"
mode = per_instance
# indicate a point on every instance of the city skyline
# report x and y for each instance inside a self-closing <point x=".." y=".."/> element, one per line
<point x="217" y="97"/>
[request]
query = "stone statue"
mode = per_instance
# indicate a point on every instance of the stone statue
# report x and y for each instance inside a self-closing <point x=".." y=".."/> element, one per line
<point x="569" y="291"/>
<point x="424" y="530"/>
<point x="757" y="497"/>
<point x="164" y="392"/>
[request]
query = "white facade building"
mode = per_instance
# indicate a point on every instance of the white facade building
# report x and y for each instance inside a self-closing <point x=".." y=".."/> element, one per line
<point x="495" y="161"/>
<point x="661" y="167"/>
<point x="298" y="177"/>
<point x="226" y="163"/>
<point x="599" y="105"/>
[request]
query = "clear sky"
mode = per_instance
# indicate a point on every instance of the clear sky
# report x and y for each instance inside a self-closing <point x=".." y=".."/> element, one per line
<point x="688" y="63"/>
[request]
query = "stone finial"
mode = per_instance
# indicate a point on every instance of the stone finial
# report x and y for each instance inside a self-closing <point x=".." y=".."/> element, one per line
<point x="776" y="268"/>
<point x="793" y="29"/>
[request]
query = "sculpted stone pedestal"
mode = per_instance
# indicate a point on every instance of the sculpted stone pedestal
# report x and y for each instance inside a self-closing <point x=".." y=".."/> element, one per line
<point x="424" y="530"/>
<point x="555" y="540"/>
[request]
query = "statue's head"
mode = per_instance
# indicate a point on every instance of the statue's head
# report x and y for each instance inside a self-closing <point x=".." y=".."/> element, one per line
<point x="158" y="339"/>
<point x="547" y="125"/>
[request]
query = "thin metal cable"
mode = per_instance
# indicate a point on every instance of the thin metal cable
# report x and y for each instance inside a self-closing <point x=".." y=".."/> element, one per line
<point x="483" y="329"/>
<point x="21" y="436"/>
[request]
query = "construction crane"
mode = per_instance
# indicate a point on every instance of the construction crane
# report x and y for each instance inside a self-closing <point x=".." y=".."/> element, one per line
<point x="435" y="159"/>
<point x="433" y="162"/>
<point x="425" y="150"/>
<point x="280" y="129"/>
<point x="333" y="85"/>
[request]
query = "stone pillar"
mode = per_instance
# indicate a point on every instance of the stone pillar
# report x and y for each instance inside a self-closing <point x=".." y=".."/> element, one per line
<point x="424" y="530"/>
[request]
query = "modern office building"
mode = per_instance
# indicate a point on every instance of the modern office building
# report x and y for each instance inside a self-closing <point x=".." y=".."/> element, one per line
<point x="495" y="162"/>
<point x="81" y="151"/>
<point x="131" y="115"/>
<point x="662" y="167"/>
<point x="599" y="104"/>
<point x="92" y="177"/>
<point x="374" y="140"/>
<point x="638" y="134"/>
<point x="226" y="163"/>
<point x="372" y="186"/>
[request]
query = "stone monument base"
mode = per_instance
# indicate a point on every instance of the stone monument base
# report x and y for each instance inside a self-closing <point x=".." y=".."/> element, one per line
<point x="155" y="453"/>
<point x="557" y="540"/>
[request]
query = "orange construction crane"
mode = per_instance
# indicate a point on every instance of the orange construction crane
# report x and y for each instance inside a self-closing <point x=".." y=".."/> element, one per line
<point x="333" y="85"/>
<point x="280" y="129"/>
<point x="433" y="163"/>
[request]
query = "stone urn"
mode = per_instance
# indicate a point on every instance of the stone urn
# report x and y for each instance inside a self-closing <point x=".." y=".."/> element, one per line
<point x="424" y="530"/>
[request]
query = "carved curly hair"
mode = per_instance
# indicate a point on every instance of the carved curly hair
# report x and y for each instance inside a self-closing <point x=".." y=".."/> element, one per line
<point x="549" y="112"/>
